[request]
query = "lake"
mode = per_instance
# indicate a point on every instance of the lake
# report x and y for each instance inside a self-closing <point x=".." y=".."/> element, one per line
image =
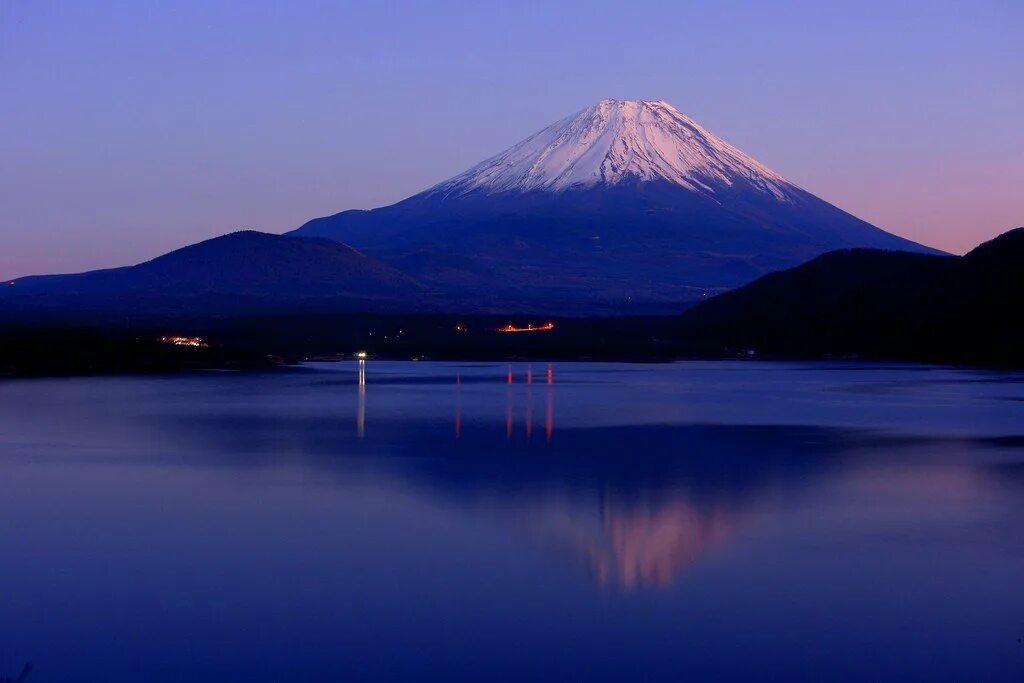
<point x="487" y="521"/>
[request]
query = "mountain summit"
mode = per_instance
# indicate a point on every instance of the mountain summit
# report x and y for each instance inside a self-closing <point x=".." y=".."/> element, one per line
<point x="623" y="207"/>
<point x="618" y="141"/>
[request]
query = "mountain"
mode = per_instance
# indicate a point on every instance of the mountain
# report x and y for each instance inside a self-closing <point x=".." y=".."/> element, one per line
<point x="626" y="206"/>
<point x="237" y="271"/>
<point x="875" y="304"/>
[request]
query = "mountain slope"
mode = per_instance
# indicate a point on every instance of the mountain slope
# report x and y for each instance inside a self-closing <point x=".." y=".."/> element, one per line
<point x="876" y="304"/>
<point x="241" y="268"/>
<point x="627" y="206"/>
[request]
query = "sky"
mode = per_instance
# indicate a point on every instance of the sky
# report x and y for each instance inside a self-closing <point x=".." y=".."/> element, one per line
<point x="130" y="128"/>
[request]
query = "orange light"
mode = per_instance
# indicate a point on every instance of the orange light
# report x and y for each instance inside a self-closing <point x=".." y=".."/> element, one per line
<point x="529" y="328"/>
<point x="183" y="341"/>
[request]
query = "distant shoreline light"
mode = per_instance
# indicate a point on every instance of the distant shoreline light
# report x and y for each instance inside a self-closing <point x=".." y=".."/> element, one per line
<point x="546" y="327"/>
<point x="184" y="341"/>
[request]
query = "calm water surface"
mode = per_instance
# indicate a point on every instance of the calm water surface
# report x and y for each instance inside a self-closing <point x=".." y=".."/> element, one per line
<point x="473" y="521"/>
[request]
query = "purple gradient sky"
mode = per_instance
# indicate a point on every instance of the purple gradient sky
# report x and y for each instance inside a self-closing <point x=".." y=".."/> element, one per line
<point x="131" y="128"/>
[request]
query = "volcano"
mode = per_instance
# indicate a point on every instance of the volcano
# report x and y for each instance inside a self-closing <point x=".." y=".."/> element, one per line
<point x="623" y="207"/>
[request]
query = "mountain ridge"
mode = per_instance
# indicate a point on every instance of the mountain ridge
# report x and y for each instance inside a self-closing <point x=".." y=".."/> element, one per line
<point x="245" y="268"/>
<point x="628" y="206"/>
<point x="622" y="208"/>
<point x="871" y="303"/>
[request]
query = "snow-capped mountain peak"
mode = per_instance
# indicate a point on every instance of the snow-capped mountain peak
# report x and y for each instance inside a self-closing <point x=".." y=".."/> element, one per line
<point x="616" y="141"/>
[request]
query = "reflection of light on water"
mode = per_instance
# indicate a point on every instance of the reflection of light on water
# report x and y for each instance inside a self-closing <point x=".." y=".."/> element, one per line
<point x="361" y="403"/>
<point x="549" y="403"/>
<point x="529" y="409"/>
<point x="458" y="406"/>
<point x="549" y="414"/>
<point x="510" y="400"/>
<point x="508" y="409"/>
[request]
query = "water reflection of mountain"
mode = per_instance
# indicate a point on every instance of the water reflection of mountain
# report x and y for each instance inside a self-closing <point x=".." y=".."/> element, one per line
<point x="632" y="545"/>
<point x="635" y="504"/>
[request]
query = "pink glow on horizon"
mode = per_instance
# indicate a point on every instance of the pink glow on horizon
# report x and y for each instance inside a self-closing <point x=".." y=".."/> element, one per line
<point x="953" y="207"/>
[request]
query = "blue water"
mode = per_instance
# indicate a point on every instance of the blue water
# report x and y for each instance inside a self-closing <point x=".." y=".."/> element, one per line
<point x="700" y="521"/>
